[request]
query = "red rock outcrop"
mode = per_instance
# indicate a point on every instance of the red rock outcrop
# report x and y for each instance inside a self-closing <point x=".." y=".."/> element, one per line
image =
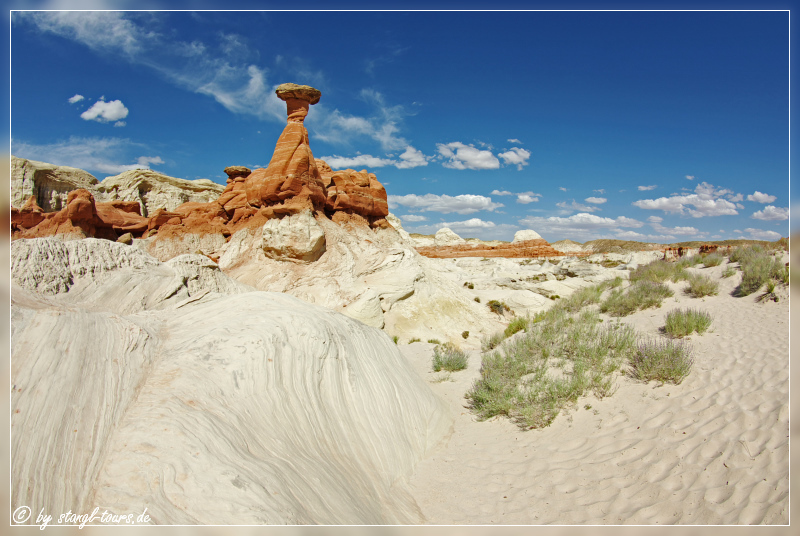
<point x="521" y="249"/>
<point x="291" y="182"/>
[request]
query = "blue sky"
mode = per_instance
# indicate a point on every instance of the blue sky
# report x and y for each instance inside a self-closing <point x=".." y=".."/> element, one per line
<point x="650" y="126"/>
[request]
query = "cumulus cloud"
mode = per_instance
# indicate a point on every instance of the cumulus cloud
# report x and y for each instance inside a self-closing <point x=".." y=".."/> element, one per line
<point x="707" y="201"/>
<point x="461" y="156"/>
<point x="657" y="227"/>
<point x="771" y="213"/>
<point x="522" y="197"/>
<point x="460" y="204"/>
<point x="596" y="200"/>
<point x="646" y="188"/>
<point x="573" y="206"/>
<point x="411" y="158"/>
<point x="516" y="156"/>
<point x="690" y="177"/>
<point x="758" y="197"/>
<point x="760" y="234"/>
<point x="76" y="98"/>
<point x="96" y="155"/>
<point x="514" y="140"/>
<point x="105" y="112"/>
<point x="413" y="218"/>
<point x="581" y="226"/>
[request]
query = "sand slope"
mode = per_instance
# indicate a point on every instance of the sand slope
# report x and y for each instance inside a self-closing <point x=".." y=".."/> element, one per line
<point x="713" y="450"/>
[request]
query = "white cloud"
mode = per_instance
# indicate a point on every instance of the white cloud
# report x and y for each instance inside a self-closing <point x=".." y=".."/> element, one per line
<point x="528" y="198"/>
<point x="601" y="191"/>
<point x="656" y="225"/>
<point x="413" y="218"/>
<point x="562" y="188"/>
<point x="758" y="197"/>
<point x="646" y="188"/>
<point x="578" y="226"/>
<point x="460" y="204"/>
<point x="514" y="140"/>
<point x="76" y="98"/>
<point x="120" y="124"/>
<point x="655" y="219"/>
<point x="516" y="156"/>
<point x="596" y="200"/>
<point x="105" y="112"/>
<point x="522" y="197"/>
<point x="771" y="213"/>
<point x="411" y="158"/>
<point x="690" y="177"/>
<point x="759" y="234"/>
<point x="357" y="162"/>
<point x="573" y="206"/>
<point x="103" y="155"/>
<point x="463" y="156"/>
<point x="706" y="201"/>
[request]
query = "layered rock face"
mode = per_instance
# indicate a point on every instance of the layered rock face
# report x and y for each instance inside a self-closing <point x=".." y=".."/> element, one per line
<point x="171" y="387"/>
<point x="48" y="184"/>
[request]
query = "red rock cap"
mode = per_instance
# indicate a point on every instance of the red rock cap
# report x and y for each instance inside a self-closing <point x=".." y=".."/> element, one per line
<point x="295" y="91"/>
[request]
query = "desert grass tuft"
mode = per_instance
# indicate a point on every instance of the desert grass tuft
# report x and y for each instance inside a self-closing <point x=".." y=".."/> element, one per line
<point x="713" y="259"/>
<point x="415" y="339"/>
<point x="728" y="271"/>
<point x="434" y="341"/>
<point x="666" y="361"/>
<point x="700" y="286"/>
<point x="492" y="341"/>
<point x="449" y="357"/>
<point x="641" y="295"/>
<point x="560" y="358"/>
<point x="680" y="323"/>
<point x="498" y="307"/>
<point x="516" y="325"/>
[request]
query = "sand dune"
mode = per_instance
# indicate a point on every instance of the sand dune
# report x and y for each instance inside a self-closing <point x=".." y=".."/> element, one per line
<point x="712" y="450"/>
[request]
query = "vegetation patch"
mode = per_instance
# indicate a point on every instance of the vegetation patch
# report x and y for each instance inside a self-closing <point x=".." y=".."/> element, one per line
<point x="713" y="259"/>
<point x="558" y="360"/>
<point x="641" y="295"/>
<point x="728" y="271"/>
<point x="680" y="323"/>
<point x="665" y="361"/>
<point x="516" y="325"/>
<point x="492" y="341"/>
<point x="498" y="307"/>
<point x="434" y="341"/>
<point x="700" y="286"/>
<point x="415" y="339"/>
<point x="758" y="267"/>
<point x="449" y="357"/>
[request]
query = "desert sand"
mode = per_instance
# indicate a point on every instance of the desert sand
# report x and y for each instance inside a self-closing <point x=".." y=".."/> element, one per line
<point x="712" y="450"/>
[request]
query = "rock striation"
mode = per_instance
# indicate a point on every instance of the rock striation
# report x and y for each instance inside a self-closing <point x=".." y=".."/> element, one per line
<point x="524" y="248"/>
<point x="171" y="387"/>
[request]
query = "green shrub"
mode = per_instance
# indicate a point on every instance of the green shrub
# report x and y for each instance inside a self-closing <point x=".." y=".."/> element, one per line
<point x="728" y="271"/>
<point x="641" y="295"/>
<point x="686" y="262"/>
<point x="554" y="297"/>
<point x="664" y="361"/>
<point x="714" y="259"/>
<point x="449" y="357"/>
<point x="465" y="334"/>
<point x="558" y="359"/>
<point x="395" y="339"/>
<point x="518" y="324"/>
<point x="469" y="285"/>
<point x="614" y="283"/>
<point x="415" y="339"/>
<point x="757" y="270"/>
<point x="493" y="341"/>
<point x="655" y="272"/>
<point x="582" y="297"/>
<point x="477" y="299"/>
<point x="700" y="286"/>
<point x="434" y="341"/>
<point x="498" y="307"/>
<point x="680" y="323"/>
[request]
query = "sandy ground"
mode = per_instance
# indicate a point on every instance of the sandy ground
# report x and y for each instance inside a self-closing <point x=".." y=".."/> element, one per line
<point x="712" y="450"/>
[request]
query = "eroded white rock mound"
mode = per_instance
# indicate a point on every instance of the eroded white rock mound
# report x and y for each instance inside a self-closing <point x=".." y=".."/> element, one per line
<point x="526" y="234"/>
<point x="217" y="408"/>
<point x="48" y="183"/>
<point x="446" y="237"/>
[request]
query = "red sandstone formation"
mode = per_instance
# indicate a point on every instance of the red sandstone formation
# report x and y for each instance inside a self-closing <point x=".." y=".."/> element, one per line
<point x="292" y="182"/>
<point x="523" y="249"/>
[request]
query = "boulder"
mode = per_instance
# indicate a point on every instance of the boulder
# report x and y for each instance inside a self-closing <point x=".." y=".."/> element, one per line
<point x="355" y="191"/>
<point x="30" y="215"/>
<point x="297" y="237"/>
